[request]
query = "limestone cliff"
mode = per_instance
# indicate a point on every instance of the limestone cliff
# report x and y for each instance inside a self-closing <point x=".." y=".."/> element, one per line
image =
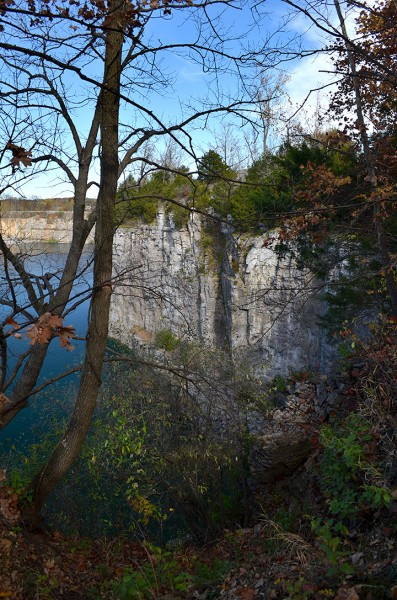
<point x="38" y="226"/>
<point x="231" y="292"/>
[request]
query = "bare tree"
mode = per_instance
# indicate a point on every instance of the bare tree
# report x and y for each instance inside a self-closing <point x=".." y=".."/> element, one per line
<point x="270" y="96"/>
<point x="97" y="61"/>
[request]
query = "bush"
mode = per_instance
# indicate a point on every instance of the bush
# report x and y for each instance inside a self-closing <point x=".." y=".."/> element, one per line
<point x="348" y="476"/>
<point x="166" y="340"/>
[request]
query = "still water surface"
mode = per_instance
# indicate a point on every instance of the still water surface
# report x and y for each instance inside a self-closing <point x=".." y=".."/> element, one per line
<point x="40" y="259"/>
<point x="26" y="442"/>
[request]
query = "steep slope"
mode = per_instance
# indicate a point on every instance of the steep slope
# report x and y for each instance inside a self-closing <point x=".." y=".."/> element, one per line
<point x="230" y="292"/>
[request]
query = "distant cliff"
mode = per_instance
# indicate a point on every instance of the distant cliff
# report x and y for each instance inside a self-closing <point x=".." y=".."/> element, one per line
<point x="38" y="226"/>
<point x="230" y="292"/>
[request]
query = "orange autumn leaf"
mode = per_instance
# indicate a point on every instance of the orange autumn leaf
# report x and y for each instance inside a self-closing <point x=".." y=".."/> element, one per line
<point x="12" y="322"/>
<point x="65" y="335"/>
<point x="49" y="326"/>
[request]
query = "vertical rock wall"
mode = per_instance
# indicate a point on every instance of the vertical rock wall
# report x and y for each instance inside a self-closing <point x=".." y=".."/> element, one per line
<point x="233" y="293"/>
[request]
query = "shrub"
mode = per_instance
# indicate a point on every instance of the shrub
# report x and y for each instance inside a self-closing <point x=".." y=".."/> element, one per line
<point x="166" y="340"/>
<point x="348" y="476"/>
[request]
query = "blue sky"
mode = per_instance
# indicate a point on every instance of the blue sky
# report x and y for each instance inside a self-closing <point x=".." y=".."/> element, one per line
<point x="189" y="80"/>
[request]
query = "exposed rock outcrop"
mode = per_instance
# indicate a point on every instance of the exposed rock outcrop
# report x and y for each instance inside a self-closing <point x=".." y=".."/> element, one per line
<point x="53" y="226"/>
<point x="230" y="292"/>
<point x="286" y="437"/>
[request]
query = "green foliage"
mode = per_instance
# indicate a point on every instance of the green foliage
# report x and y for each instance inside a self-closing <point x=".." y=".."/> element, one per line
<point x="166" y="340"/>
<point x="204" y="573"/>
<point x="154" y="463"/>
<point x="332" y="546"/>
<point x="284" y="518"/>
<point x="140" y="201"/>
<point x="261" y="199"/>
<point x="45" y="585"/>
<point x="130" y="206"/>
<point x="160" y="571"/>
<point x="164" y="571"/>
<point x="211" y="167"/>
<point x="345" y="467"/>
<point x="301" y="376"/>
<point x="19" y="483"/>
<point x="23" y="461"/>
<point x="353" y="296"/>
<point x="180" y="215"/>
<point x="298" y="590"/>
<point x="271" y="188"/>
<point x="268" y="193"/>
<point x="377" y="496"/>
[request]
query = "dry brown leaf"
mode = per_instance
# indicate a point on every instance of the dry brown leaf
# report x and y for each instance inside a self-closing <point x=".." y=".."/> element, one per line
<point x="246" y="593"/>
<point x="19" y="155"/>
<point x="3" y="400"/>
<point x="65" y="335"/>
<point x="40" y="334"/>
<point x="10" y="321"/>
<point x="8" y="509"/>
<point x="347" y="594"/>
<point x="5" y="546"/>
<point x="48" y="326"/>
<point x="49" y="563"/>
<point x="53" y="320"/>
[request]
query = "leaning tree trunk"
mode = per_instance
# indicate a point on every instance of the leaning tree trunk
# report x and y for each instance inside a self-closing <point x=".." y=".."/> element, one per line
<point x="68" y="449"/>
<point x="379" y="225"/>
<point x="18" y="397"/>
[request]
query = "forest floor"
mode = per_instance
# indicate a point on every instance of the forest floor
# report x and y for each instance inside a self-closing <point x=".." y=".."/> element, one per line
<point x="327" y="531"/>
<point x="266" y="561"/>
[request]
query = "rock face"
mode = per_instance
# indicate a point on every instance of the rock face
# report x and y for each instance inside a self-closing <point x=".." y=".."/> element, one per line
<point x="38" y="226"/>
<point x="284" y="439"/>
<point x="230" y="292"/>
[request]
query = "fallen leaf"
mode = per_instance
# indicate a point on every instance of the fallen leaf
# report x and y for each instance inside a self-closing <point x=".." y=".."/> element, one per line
<point x="347" y="594"/>
<point x="5" y="546"/>
<point x="49" y="564"/>
<point x="9" y="511"/>
<point x="246" y="593"/>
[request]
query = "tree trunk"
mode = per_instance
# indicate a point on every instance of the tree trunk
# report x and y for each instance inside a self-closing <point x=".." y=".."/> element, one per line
<point x="18" y="398"/>
<point x="68" y="449"/>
